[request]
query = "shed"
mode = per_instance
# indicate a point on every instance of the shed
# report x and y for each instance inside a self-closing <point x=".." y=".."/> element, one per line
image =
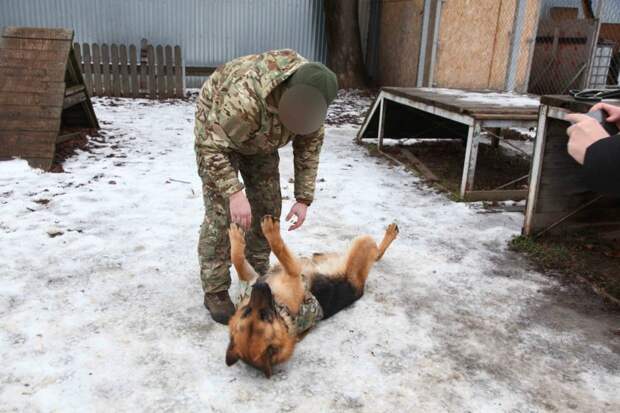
<point x="462" y="44"/>
<point x="558" y="199"/>
<point x="41" y="93"/>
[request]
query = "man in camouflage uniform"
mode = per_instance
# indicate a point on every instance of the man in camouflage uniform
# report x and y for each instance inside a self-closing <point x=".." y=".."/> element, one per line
<point x="248" y="109"/>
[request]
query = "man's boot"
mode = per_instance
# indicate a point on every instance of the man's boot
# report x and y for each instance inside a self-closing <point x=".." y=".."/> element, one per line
<point x="220" y="306"/>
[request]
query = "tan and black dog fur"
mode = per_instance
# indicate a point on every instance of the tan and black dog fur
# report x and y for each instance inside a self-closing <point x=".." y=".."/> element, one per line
<point x="258" y="335"/>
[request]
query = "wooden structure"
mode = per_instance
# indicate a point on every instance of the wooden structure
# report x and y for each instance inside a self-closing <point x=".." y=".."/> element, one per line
<point x="126" y="71"/>
<point x="41" y="93"/>
<point x="558" y="199"/>
<point x="496" y="32"/>
<point x="431" y="43"/>
<point x="406" y="113"/>
<point x="562" y="55"/>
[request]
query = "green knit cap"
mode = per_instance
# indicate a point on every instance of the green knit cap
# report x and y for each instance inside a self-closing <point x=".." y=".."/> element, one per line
<point x="318" y="76"/>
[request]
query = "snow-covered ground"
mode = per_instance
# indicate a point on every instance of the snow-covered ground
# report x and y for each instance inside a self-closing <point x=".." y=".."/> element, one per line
<point x="107" y="315"/>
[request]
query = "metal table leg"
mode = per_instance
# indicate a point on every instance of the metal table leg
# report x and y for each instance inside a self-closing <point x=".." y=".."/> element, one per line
<point x="471" y="156"/>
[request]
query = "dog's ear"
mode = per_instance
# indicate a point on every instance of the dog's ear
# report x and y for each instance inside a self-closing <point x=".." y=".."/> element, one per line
<point x="267" y="368"/>
<point x="231" y="354"/>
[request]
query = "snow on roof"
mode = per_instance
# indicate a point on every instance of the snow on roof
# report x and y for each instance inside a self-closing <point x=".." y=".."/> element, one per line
<point x="503" y="98"/>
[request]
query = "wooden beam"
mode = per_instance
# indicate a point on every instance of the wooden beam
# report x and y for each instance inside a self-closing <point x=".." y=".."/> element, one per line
<point x="496" y="195"/>
<point x="38" y="33"/>
<point x="178" y="72"/>
<point x="471" y="157"/>
<point x="199" y="70"/>
<point x="66" y="137"/>
<point x="419" y="165"/>
<point x="535" y="171"/>
<point x="74" y="89"/>
<point x="74" y="99"/>
<point x="27" y="143"/>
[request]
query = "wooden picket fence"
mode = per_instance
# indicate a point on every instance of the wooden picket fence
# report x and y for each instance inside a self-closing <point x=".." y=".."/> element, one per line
<point x="118" y="70"/>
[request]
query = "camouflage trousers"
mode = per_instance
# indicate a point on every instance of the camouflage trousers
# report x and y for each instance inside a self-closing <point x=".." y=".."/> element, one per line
<point x="261" y="178"/>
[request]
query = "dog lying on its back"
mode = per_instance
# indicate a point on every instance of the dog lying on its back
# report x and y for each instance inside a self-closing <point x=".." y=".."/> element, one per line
<point x="281" y="306"/>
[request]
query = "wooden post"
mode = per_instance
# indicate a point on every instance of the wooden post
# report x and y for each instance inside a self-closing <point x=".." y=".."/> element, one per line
<point x="535" y="169"/>
<point x="116" y="81"/>
<point x="97" y="91"/>
<point x="471" y="156"/>
<point x="496" y="134"/>
<point x="381" y="131"/>
<point x="144" y="59"/>
<point x="178" y="72"/>
<point x="161" y="77"/>
<point x="105" y="60"/>
<point x="88" y="77"/>
<point x="169" y="72"/>
<point x="135" y="86"/>
<point x="151" y="71"/>
<point x="78" y="55"/>
<point x="124" y="71"/>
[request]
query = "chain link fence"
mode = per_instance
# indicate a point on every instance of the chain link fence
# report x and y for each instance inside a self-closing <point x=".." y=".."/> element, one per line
<point x="577" y="46"/>
<point x="605" y="71"/>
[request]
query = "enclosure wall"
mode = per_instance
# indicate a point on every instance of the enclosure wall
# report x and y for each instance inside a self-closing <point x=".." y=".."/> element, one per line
<point x="210" y="32"/>
<point x="485" y="44"/>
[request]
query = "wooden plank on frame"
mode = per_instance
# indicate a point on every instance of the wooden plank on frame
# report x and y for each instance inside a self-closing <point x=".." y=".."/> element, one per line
<point x="496" y="195"/>
<point x="97" y="88"/>
<point x="169" y="69"/>
<point x="161" y="76"/>
<point x="124" y="71"/>
<point x="133" y="71"/>
<point x="78" y="54"/>
<point x="35" y="44"/>
<point x="38" y="33"/>
<point x="419" y="165"/>
<point x="105" y="60"/>
<point x="87" y="72"/>
<point x="178" y="72"/>
<point x="116" y="81"/>
<point x="151" y="70"/>
<point x="471" y="157"/>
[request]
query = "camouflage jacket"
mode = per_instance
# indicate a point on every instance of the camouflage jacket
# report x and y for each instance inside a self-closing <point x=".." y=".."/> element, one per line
<point x="237" y="113"/>
<point x="310" y="311"/>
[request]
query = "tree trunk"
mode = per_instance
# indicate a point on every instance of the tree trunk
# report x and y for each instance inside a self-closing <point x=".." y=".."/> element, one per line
<point x="587" y="9"/>
<point x="344" y="44"/>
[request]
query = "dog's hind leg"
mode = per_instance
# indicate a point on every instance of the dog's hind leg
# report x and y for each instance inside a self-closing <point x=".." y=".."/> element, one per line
<point x="362" y="255"/>
<point x="290" y="263"/>
<point x="237" y="254"/>
<point x="390" y="235"/>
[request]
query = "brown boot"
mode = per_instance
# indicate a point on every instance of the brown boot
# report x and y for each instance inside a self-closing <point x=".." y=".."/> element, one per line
<point x="220" y="306"/>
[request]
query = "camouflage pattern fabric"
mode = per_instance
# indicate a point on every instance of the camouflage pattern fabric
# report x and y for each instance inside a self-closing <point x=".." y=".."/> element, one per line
<point x="262" y="180"/>
<point x="237" y="113"/>
<point x="237" y="129"/>
<point x="310" y="311"/>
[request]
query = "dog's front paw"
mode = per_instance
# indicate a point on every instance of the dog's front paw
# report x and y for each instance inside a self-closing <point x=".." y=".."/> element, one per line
<point x="270" y="226"/>
<point x="236" y="235"/>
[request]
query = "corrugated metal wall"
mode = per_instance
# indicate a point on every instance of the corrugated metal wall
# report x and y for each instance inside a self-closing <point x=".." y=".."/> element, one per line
<point x="209" y="31"/>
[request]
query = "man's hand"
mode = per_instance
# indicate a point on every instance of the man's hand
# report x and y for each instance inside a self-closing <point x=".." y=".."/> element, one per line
<point x="613" y="112"/>
<point x="240" y="211"/>
<point x="583" y="133"/>
<point x="298" y="210"/>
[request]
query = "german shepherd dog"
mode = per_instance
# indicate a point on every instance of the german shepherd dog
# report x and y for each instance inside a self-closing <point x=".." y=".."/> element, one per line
<point x="262" y="330"/>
